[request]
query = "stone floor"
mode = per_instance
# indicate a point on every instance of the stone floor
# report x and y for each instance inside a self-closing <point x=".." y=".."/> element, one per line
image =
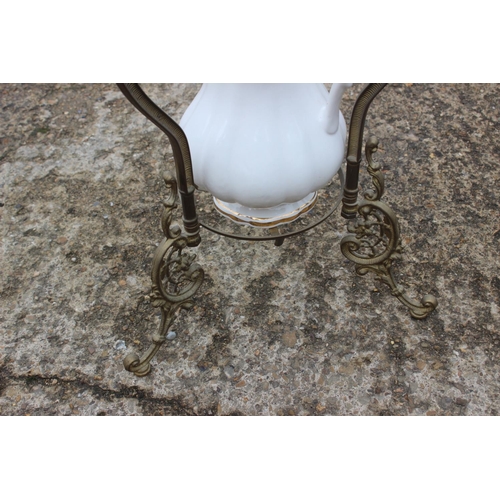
<point x="288" y="330"/>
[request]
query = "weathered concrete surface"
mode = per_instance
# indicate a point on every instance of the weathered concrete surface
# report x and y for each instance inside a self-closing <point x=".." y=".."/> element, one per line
<point x="280" y="331"/>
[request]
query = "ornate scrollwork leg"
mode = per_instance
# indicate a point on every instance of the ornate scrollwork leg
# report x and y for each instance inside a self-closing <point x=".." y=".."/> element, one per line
<point x="374" y="242"/>
<point x="175" y="278"/>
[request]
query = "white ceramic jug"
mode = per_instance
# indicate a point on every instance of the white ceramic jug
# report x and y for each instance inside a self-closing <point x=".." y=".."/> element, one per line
<point x="263" y="150"/>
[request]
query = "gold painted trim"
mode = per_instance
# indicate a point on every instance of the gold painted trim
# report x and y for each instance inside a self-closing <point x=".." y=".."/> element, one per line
<point x="259" y="221"/>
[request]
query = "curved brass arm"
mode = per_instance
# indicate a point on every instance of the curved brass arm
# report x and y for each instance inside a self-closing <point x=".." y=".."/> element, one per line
<point x="182" y="156"/>
<point x="354" y="147"/>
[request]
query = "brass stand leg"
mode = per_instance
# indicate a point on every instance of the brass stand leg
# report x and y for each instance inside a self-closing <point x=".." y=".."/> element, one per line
<point x="374" y="241"/>
<point x="175" y="278"/>
<point x="174" y="275"/>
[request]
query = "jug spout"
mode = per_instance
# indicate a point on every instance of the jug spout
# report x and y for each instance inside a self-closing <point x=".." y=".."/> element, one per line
<point x="333" y="106"/>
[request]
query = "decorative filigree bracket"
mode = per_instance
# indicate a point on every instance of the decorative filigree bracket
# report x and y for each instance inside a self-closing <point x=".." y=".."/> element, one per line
<point x="374" y="241"/>
<point x="175" y="279"/>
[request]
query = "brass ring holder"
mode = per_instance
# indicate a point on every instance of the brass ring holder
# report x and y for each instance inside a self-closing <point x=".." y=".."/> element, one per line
<point x="372" y="244"/>
<point x="328" y="200"/>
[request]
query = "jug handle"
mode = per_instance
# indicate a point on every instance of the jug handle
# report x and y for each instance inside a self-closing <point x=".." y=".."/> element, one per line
<point x="333" y="106"/>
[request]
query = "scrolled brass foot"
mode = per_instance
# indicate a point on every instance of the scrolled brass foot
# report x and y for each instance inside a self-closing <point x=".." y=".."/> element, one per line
<point x="133" y="363"/>
<point x="418" y="309"/>
<point x="175" y="279"/>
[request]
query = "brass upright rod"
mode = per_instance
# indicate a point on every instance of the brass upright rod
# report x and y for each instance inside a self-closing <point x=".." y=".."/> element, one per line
<point x="180" y="147"/>
<point x="354" y="147"/>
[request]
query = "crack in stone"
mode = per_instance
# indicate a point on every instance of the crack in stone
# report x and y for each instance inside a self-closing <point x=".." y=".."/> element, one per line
<point x="149" y="404"/>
